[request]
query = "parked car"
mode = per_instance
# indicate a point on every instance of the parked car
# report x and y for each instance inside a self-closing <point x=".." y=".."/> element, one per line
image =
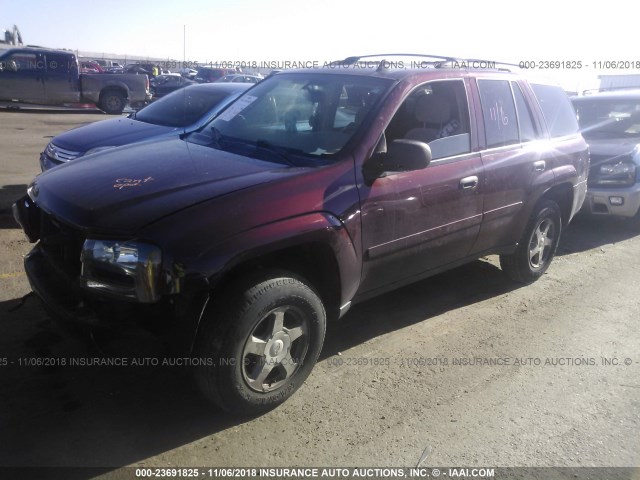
<point x="175" y="114"/>
<point x="115" y="69"/>
<point x="189" y="73"/>
<point x="209" y="75"/>
<point x="610" y="122"/>
<point x="90" y="67"/>
<point x="51" y="77"/>
<point x="313" y="191"/>
<point x="241" y="78"/>
<point x="138" y="69"/>
<point x="106" y="64"/>
<point x="167" y="83"/>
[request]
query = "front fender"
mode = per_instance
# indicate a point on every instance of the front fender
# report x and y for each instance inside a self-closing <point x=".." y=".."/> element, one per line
<point x="313" y="228"/>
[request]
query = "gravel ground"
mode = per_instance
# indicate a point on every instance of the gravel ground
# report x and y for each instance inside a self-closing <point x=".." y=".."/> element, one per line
<point x="465" y="366"/>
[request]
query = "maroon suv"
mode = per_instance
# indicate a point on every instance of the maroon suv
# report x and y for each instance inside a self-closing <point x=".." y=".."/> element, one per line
<point x="311" y="192"/>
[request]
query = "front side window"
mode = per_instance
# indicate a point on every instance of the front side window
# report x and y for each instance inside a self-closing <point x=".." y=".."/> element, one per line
<point x="20" y="62"/>
<point x="556" y="108"/>
<point x="499" y="113"/>
<point x="437" y="114"/>
<point x="298" y="113"/>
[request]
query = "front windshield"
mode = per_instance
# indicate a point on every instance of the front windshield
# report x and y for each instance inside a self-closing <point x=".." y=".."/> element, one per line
<point x="609" y="118"/>
<point x="300" y="113"/>
<point x="183" y="107"/>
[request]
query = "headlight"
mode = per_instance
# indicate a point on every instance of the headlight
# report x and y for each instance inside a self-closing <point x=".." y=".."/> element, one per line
<point x="618" y="174"/>
<point x="125" y="269"/>
<point x="618" y="169"/>
<point x="99" y="149"/>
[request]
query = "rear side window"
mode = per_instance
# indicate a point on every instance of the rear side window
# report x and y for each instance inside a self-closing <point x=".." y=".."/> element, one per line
<point x="499" y="113"/>
<point x="556" y="107"/>
<point x="59" y="63"/>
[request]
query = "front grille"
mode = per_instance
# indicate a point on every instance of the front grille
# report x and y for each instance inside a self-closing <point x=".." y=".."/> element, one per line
<point x="62" y="244"/>
<point x="60" y="154"/>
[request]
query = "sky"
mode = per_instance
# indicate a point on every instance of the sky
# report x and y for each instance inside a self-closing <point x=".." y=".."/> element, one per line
<point x="267" y="30"/>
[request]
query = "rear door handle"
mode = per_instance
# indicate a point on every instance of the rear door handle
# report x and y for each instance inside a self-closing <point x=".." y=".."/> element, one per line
<point x="539" y="166"/>
<point x="469" y="183"/>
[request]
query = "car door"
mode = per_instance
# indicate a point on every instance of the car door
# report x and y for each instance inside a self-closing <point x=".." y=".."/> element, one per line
<point x="417" y="221"/>
<point x="22" y="77"/>
<point x="513" y="160"/>
<point x="62" y="79"/>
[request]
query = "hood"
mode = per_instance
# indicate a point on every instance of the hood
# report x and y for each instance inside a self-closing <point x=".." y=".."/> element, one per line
<point x="114" y="132"/>
<point x="610" y="148"/>
<point x="121" y="190"/>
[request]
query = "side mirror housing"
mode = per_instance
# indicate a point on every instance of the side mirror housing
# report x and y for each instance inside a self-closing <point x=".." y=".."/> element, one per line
<point x="402" y="155"/>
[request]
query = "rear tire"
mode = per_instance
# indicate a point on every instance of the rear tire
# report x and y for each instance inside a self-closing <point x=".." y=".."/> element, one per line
<point x="112" y="102"/>
<point x="537" y="246"/>
<point x="258" y="344"/>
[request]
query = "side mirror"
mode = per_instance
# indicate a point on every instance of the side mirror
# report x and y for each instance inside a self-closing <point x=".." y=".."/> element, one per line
<point x="401" y="156"/>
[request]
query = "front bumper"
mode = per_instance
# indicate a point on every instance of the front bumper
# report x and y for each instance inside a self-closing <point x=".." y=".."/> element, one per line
<point x="598" y="201"/>
<point x="55" y="279"/>
<point x="59" y="292"/>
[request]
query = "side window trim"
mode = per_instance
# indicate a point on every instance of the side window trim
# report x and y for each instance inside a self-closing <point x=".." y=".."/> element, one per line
<point x="520" y="115"/>
<point x="538" y="115"/>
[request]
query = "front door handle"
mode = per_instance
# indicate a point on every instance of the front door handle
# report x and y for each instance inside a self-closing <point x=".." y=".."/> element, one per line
<point x="469" y="183"/>
<point x="539" y="166"/>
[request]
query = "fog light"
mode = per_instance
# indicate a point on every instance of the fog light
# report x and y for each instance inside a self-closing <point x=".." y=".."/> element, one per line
<point x="616" y="200"/>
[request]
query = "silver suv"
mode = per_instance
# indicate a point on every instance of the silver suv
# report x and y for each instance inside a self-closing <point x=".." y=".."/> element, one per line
<point x="610" y="122"/>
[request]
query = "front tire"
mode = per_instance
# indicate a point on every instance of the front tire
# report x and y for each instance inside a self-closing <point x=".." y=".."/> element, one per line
<point x="537" y="246"/>
<point x="258" y="344"/>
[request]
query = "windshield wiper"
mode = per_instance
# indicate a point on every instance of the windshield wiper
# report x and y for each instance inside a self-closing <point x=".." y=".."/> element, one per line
<point x="216" y="137"/>
<point x="282" y="152"/>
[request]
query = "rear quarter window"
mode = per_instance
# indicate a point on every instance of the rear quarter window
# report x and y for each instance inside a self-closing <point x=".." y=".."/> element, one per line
<point x="557" y="110"/>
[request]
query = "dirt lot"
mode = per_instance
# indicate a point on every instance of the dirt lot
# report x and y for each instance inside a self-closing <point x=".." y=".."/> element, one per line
<point x="562" y="389"/>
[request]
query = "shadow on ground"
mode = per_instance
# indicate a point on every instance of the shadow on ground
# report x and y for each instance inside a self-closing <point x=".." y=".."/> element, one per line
<point x="101" y="416"/>
<point x="587" y="232"/>
<point x="8" y="195"/>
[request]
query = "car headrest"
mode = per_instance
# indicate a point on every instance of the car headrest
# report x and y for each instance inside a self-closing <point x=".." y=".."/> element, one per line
<point x="432" y="109"/>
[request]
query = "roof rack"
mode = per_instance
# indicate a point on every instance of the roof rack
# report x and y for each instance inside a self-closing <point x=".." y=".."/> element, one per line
<point x="352" y="60"/>
<point x="504" y="66"/>
<point x="437" y="61"/>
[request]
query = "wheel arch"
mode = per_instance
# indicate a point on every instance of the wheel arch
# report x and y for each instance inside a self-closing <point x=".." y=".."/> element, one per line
<point x="321" y="252"/>
<point x="119" y="87"/>
<point x="313" y="261"/>
<point x="562" y="194"/>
